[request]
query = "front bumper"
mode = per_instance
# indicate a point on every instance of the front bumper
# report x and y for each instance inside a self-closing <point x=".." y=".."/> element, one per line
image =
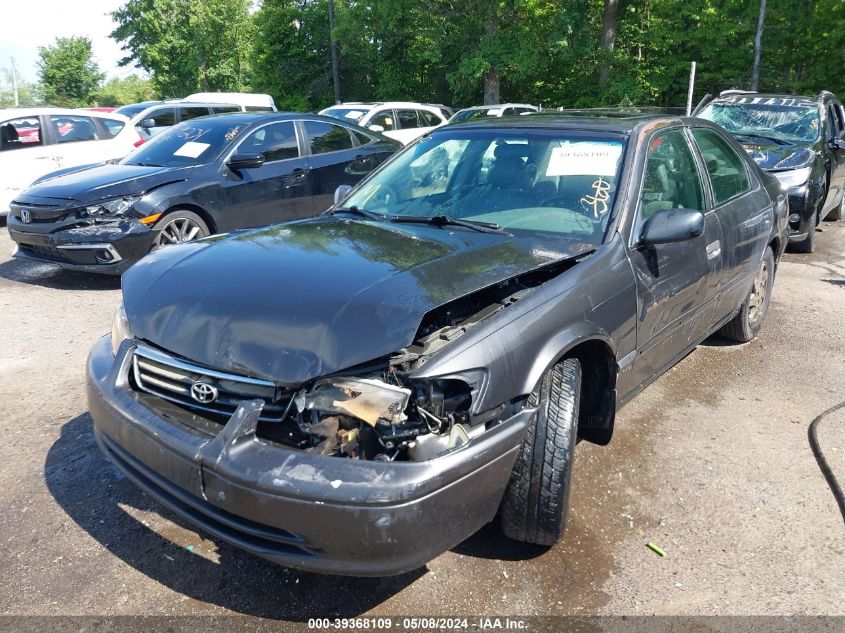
<point x="100" y="248"/>
<point x="308" y="511"/>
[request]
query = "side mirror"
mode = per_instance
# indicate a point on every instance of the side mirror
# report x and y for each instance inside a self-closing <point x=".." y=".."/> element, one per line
<point x="837" y="145"/>
<point x="672" y="225"/>
<point x="341" y="192"/>
<point x="377" y="128"/>
<point x="148" y="123"/>
<point x="245" y="161"/>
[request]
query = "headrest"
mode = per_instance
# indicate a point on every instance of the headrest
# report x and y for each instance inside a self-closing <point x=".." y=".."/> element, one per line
<point x="508" y="172"/>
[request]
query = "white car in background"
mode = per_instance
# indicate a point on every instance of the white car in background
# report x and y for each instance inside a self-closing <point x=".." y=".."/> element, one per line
<point x="37" y="141"/>
<point x="482" y="112"/>
<point x="401" y="120"/>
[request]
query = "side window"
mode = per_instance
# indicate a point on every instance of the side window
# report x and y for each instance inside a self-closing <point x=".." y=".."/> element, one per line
<point x="407" y="119"/>
<point x="192" y="112"/>
<point x="834" y="120"/>
<point x="111" y="126"/>
<point x="671" y="179"/>
<point x="428" y="119"/>
<point x="326" y="137"/>
<point x="71" y="129"/>
<point x="276" y="142"/>
<point x="163" y="117"/>
<point x="224" y="108"/>
<point x="18" y="133"/>
<point x="726" y="169"/>
<point x="362" y="138"/>
<point x="384" y="119"/>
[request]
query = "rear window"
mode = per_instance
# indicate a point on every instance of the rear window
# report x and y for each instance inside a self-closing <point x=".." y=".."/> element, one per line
<point x="258" y="109"/>
<point x="72" y="129"/>
<point x="192" y="112"/>
<point x="225" y="108"/>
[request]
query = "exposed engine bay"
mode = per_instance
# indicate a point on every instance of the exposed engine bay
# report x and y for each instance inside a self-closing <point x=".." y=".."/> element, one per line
<point x="379" y="412"/>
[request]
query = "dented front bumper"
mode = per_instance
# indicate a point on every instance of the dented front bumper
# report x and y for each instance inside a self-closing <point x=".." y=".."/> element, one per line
<point x="303" y="510"/>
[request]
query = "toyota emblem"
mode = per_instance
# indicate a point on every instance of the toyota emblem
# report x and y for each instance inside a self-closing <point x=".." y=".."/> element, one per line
<point x="26" y="215"/>
<point x="203" y="393"/>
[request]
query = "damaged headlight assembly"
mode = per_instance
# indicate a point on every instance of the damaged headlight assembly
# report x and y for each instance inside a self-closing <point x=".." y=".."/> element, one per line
<point x="384" y="418"/>
<point x="113" y="207"/>
<point x="119" y="329"/>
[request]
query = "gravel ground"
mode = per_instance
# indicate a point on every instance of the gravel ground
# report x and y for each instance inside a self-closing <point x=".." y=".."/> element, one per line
<point x="711" y="463"/>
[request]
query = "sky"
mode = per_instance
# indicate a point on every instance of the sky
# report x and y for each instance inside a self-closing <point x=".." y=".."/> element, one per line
<point x="45" y="20"/>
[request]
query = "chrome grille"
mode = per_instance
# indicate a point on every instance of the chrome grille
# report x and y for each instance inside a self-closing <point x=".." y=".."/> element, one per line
<point x="162" y="375"/>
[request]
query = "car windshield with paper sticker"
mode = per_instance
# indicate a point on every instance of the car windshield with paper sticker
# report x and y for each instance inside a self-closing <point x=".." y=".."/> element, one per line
<point x="189" y="143"/>
<point x="553" y="182"/>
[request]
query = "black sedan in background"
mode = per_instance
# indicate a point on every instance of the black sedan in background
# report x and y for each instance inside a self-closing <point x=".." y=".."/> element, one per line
<point x="801" y="142"/>
<point x="209" y="175"/>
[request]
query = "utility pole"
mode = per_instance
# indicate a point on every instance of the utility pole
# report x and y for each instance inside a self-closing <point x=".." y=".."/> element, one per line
<point x="691" y="88"/>
<point x="15" y="84"/>
<point x="758" y="43"/>
<point x="335" y="71"/>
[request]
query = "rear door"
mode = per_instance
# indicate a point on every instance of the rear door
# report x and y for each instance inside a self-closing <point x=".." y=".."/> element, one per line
<point x="332" y="160"/>
<point x="277" y="191"/>
<point x="677" y="283"/>
<point x="744" y="210"/>
<point x="78" y="140"/>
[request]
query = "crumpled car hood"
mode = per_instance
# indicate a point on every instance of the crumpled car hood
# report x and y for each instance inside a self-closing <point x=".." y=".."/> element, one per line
<point x="769" y="155"/>
<point x="296" y="301"/>
<point x="97" y="182"/>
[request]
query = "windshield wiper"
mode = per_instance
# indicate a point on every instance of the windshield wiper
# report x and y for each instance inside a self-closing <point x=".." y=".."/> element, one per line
<point x="353" y="210"/>
<point x="146" y="164"/>
<point x="444" y="220"/>
<point x="774" y="139"/>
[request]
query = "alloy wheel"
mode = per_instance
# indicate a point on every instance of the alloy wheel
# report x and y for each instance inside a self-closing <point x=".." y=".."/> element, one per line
<point x="757" y="299"/>
<point x="178" y="231"/>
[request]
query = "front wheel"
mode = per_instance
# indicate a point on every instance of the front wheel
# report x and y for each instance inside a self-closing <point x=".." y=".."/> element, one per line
<point x="836" y="213"/>
<point x="178" y="227"/>
<point x="536" y="501"/>
<point x="748" y="322"/>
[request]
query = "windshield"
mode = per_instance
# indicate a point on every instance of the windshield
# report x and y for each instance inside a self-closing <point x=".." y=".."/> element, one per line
<point x="473" y="115"/>
<point x="557" y="182"/>
<point x="190" y="143"/>
<point x="781" y="119"/>
<point x="347" y="113"/>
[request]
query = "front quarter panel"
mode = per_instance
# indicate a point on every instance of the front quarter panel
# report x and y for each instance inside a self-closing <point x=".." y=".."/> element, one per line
<point x="594" y="300"/>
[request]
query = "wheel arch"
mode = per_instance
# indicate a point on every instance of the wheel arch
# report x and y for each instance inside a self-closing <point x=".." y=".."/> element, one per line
<point x="206" y="217"/>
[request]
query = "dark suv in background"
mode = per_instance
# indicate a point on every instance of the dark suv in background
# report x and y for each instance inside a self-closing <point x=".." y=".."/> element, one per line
<point x="800" y="141"/>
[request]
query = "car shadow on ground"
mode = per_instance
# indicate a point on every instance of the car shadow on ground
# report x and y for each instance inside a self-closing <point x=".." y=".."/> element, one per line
<point x="94" y="495"/>
<point x="51" y="276"/>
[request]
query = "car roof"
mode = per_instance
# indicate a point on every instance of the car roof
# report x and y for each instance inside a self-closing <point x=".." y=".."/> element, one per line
<point x="393" y="104"/>
<point x="8" y="113"/>
<point x="499" y="105"/>
<point x="606" y="121"/>
<point x="259" y="116"/>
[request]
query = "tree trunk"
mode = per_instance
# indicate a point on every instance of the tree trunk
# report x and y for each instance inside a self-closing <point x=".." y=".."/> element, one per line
<point x="608" y="38"/>
<point x="491" y="77"/>
<point x="758" y="41"/>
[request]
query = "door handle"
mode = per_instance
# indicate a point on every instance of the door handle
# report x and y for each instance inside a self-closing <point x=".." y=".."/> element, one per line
<point x="296" y="177"/>
<point x="714" y="249"/>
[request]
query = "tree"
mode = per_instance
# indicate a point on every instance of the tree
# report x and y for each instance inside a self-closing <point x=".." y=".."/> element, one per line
<point x="131" y="89"/>
<point x="608" y="37"/>
<point x="68" y="74"/>
<point x="188" y="45"/>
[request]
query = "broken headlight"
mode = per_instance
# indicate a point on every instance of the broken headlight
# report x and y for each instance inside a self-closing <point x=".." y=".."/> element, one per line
<point x="114" y="206"/>
<point x="119" y="329"/>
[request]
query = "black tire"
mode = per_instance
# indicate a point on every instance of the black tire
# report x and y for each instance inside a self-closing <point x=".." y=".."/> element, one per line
<point x="169" y="229"/>
<point x="536" y="501"/>
<point x="808" y="244"/>
<point x="748" y="322"/>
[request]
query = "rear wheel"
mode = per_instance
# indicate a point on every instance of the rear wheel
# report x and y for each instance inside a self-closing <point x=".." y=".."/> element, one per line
<point x="536" y="501"/>
<point x="178" y="227"/>
<point x="748" y="322"/>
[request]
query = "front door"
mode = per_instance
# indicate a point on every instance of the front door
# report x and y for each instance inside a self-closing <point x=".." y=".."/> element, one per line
<point x="835" y="130"/>
<point x="277" y="191"/>
<point x="677" y="283"/>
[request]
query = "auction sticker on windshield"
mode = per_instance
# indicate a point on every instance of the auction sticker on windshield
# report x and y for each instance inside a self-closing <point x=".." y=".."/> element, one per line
<point x="588" y="158"/>
<point x="191" y="149"/>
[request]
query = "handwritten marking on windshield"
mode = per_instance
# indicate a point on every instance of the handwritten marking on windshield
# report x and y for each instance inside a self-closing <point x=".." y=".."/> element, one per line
<point x="598" y="201"/>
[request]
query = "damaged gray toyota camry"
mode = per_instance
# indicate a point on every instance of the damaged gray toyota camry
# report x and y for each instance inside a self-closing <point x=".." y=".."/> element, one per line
<point x="358" y="392"/>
